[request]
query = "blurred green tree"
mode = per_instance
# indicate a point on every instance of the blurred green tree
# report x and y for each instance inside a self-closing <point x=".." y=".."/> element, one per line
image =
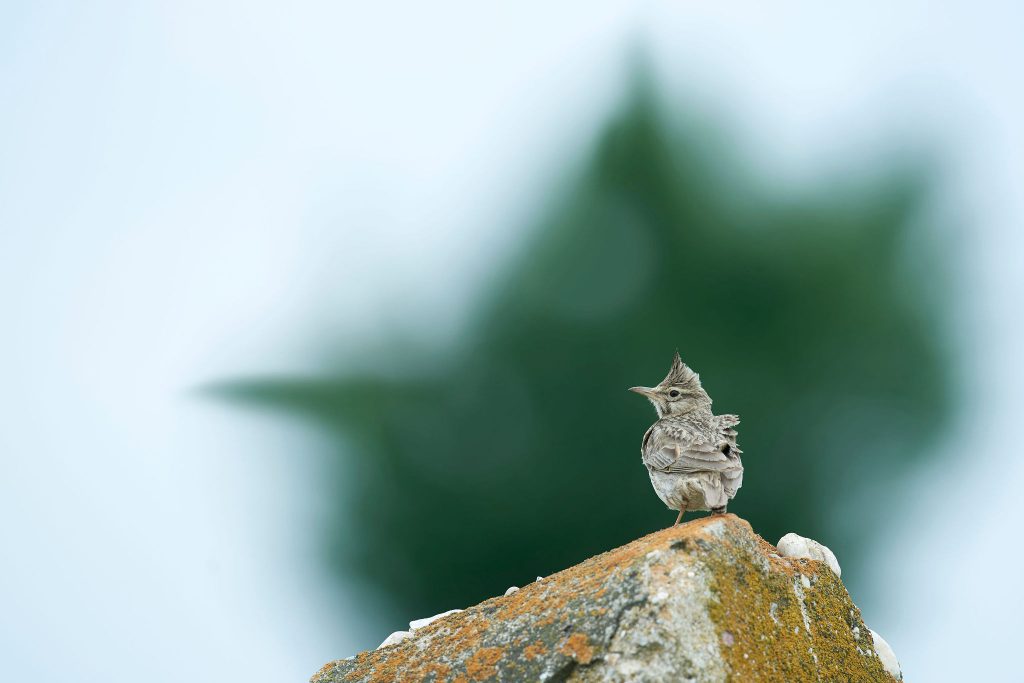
<point x="516" y="451"/>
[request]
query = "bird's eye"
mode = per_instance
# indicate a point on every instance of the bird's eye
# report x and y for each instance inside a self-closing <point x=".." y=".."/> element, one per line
<point x="674" y="393"/>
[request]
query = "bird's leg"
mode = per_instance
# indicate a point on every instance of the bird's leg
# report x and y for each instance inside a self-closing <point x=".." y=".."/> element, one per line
<point x="680" y="517"/>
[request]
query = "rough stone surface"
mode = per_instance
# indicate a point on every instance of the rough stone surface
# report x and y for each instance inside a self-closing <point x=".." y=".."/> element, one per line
<point x="706" y="601"/>
<point x="793" y="545"/>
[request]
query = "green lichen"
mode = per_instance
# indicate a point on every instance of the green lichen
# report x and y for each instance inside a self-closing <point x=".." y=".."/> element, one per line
<point x="778" y="628"/>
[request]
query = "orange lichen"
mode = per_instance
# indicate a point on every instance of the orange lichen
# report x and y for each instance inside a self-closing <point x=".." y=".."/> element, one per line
<point x="440" y="671"/>
<point x="535" y="650"/>
<point x="578" y="647"/>
<point x="322" y="673"/>
<point x="481" y="665"/>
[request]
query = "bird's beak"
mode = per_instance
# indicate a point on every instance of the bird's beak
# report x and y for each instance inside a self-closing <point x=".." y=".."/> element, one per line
<point x="643" y="391"/>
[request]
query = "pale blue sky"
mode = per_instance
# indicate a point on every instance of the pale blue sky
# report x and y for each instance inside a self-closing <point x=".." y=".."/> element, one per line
<point x="183" y="184"/>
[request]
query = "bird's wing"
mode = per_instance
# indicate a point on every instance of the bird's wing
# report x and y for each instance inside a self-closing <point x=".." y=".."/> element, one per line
<point x="688" y="452"/>
<point x="732" y="478"/>
<point x="727" y="422"/>
<point x="727" y="435"/>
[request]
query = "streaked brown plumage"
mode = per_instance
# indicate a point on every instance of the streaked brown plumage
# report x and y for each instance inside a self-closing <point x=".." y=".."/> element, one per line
<point x="690" y="454"/>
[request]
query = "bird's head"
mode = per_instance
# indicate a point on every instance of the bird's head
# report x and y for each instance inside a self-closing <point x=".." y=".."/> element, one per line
<point x="680" y="392"/>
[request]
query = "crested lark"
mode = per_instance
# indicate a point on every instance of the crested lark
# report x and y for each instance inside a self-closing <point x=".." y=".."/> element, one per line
<point x="690" y="453"/>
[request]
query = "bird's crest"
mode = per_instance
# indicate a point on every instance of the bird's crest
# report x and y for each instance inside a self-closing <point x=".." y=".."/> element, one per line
<point x="680" y="374"/>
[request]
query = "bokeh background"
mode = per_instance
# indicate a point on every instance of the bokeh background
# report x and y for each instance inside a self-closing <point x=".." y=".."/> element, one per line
<point x="320" y="319"/>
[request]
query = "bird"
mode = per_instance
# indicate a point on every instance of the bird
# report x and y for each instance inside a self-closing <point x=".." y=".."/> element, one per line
<point x="690" y="453"/>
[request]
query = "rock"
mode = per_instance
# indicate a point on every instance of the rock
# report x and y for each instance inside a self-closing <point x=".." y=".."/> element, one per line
<point x="420" y="623"/>
<point x="792" y="545"/>
<point x="393" y="639"/>
<point x="887" y="656"/>
<point x="702" y="602"/>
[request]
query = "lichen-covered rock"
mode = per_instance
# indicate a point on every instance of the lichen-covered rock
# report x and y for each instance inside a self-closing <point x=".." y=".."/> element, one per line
<point x="705" y="601"/>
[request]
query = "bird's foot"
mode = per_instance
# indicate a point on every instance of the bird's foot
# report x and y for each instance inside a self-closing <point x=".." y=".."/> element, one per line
<point x="718" y="511"/>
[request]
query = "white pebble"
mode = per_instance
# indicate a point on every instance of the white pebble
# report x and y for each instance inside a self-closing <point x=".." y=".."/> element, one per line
<point x="887" y="656"/>
<point x="792" y="545"/>
<point x="511" y="590"/>
<point x="420" y="623"/>
<point x="395" y="638"/>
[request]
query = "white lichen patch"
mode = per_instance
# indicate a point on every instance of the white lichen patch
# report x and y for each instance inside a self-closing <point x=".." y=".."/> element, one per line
<point x="887" y="656"/>
<point x="799" y="590"/>
<point x="395" y="638"/>
<point x="511" y="590"/>
<point x="793" y="545"/>
<point x="716" y="528"/>
<point x="420" y="623"/>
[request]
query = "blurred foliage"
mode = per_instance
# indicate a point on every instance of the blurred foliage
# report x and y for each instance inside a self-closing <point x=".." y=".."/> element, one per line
<point x="514" y="453"/>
